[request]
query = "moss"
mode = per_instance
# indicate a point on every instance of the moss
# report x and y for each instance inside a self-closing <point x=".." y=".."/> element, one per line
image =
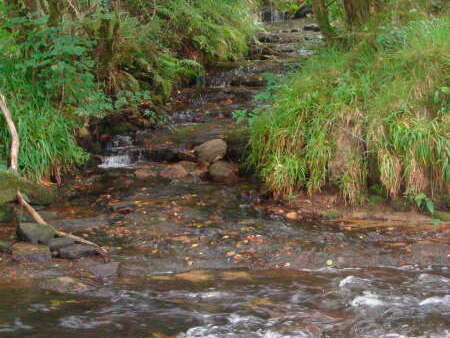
<point x="11" y="183"/>
<point x="6" y="213"/>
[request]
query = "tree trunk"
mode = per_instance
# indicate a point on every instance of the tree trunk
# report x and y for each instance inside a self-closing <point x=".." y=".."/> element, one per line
<point x="357" y="11"/>
<point x="320" y="10"/>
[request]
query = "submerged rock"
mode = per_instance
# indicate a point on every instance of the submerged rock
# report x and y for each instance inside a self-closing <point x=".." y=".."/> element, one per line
<point x="65" y="285"/>
<point x="175" y="171"/>
<point x="75" y="251"/>
<point x="211" y="151"/>
<point x="223" y="172"/>
<point x="35" y="233"/>
<point x="30" y="253"/>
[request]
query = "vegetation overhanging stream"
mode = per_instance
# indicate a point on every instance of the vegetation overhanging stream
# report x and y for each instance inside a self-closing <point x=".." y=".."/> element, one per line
<point x="199" y="251"/>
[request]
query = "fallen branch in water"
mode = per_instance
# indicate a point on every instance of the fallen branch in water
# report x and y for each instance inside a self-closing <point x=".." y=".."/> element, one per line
<point x="15" y="144"/>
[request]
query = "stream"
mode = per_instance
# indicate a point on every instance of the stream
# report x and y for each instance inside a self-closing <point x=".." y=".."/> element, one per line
<point x="194" y="258"/>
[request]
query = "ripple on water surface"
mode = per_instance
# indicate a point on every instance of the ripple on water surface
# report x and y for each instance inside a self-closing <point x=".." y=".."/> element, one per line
<point x="334" y="303"/>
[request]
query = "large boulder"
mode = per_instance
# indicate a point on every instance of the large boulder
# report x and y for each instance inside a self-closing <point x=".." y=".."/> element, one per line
<point x="211" y="151"/>
<point x="223" y="172"/>
<point x="35" y="233"/>
<point x="30" y="253"/>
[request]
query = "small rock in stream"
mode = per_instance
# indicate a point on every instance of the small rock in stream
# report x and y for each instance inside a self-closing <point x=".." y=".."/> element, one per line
<point x="75" y="251"/>
<point x="123" y="207"/>
<point x="58" y="243"/>
<point x="100" y="269"/>
<point x="173" y="172"/>
<point x="30" y="253"/>
<point x="35" y="233"/>
<point x="211" y="151"/>
<point x="223" y="172"/>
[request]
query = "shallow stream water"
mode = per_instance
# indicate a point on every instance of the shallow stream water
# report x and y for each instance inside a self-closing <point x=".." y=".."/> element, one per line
<point x="199" y="259"/>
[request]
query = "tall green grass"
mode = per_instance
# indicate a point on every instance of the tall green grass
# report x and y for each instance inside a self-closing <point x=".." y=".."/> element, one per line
<point x="377" y="113"/>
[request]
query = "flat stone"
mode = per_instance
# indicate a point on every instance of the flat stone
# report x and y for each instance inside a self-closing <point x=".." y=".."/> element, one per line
<point x="75" y="251"/>
<point x="35" y="233"/>
<point x="30" y="253"/>
<point x="211" y="151"/>
<point x="58" y="243"/>
<point x="102" y="270"/>
<point x="65" y="285"/>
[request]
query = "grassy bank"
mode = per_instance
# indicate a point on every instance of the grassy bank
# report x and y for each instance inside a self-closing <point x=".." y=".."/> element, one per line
<point x="369" y="112"/>
<point x="63" y="64"/>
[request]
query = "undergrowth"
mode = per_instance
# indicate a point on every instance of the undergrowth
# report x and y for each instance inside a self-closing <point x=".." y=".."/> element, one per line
<point x="376" y="112"/>
<point x="65" y="64"/>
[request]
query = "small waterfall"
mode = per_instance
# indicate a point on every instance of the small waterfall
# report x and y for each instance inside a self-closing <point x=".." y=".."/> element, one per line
<point x="118" y="157"/>
<point x="116" y="161"/>
<point x="272" y="15"/>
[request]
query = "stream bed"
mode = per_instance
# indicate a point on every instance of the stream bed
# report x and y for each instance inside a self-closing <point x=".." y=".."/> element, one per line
<point x="194" y="258"/>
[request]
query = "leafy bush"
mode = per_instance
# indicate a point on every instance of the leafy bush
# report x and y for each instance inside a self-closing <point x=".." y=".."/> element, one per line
<point x="63" y="64"/>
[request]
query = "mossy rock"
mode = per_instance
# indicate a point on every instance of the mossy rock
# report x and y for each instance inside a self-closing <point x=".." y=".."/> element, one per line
<point x="6" y="213"/>
<point x="10" y="183"/>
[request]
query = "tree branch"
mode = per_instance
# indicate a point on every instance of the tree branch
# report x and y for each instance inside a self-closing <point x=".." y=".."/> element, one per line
<point x="14" y="166"/>
<point x="15" y="143"/>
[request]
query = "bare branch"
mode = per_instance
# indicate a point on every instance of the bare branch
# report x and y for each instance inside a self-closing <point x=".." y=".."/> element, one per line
<point x="15" y="143"/>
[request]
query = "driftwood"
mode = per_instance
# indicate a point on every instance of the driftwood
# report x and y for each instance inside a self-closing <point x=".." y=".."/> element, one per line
<point x="14" y="160"/>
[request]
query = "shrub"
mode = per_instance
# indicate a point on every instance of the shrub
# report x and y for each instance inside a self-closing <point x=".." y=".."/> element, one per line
<point x="376" y="113"/>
